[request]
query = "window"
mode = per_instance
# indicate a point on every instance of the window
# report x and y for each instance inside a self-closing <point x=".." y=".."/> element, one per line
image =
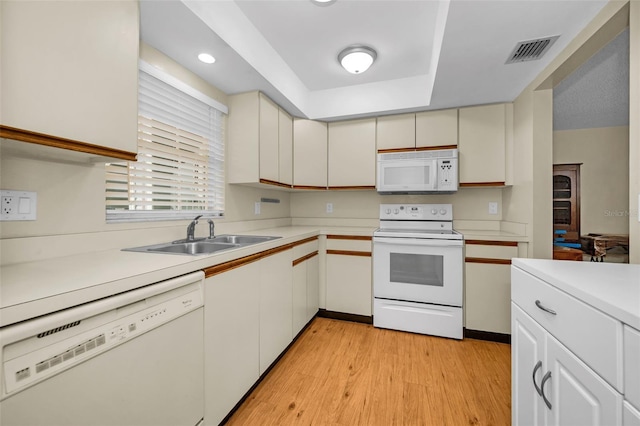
<point x="179" y="172"/>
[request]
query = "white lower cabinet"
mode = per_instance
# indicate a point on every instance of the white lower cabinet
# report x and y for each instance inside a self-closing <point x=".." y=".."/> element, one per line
<point x="276" y="313"/>
<point x="306" y="290"/>
<point x="551" y="386"/>
<point x="232" y="338"/>
<point x="630" y="416"/>
<point x="349" y="284"/>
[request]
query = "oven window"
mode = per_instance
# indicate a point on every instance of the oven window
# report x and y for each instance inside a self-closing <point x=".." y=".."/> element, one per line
<point x="423" y="269"/>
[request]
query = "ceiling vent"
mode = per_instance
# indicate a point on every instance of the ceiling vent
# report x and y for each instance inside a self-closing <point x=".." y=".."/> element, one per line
<point x="531" y="50"/>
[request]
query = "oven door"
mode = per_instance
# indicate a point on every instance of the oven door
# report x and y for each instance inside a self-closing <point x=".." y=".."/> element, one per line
<point x="418" y="270"/>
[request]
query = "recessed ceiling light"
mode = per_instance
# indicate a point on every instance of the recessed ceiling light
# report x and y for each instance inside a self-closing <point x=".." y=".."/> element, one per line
<point x="323" y="2"/>
<point x="206" y="58"/>
<point x="357" y="59"/>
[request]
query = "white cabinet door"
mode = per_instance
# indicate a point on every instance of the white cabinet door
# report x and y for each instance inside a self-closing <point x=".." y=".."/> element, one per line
<point x="630" y="416"/>
<point x="309" y="153"/>
<point x="231" y="337"/>
<point x="487" y="297"/>
<point x="437" y="128"/>
<point x="313" y="286"/>
<point x="482" y="144"/>
<point x="70" y="69"/>
<point x="578" y="396"/>
<point x="276" y="299"/>
<point x="285" y="147"/>
<point x="349" y="284"/>
<point x="269" y="144"/>
<point x="396" y="131"/>
<point x="352" y="153"/>
<point x="299" y="297"/>
<point x="527" y="369"/>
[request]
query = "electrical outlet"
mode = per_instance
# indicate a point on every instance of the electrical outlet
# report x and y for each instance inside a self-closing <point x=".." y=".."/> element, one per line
<point x="329" y="207"/>
<point x="493" y="208"/>
<point x="256" y="208"/>
<point x="17" y="205"/>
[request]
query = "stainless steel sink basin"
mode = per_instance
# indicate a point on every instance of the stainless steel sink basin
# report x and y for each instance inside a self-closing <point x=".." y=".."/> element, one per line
<point x="242" y="239"/>
<point x="203" y="246"/>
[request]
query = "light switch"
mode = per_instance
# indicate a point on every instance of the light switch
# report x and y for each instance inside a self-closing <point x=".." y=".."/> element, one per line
<point x="24" y="205"/>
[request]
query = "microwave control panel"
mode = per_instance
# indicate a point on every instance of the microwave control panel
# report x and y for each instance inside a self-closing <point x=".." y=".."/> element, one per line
<point x="448" y="174"/>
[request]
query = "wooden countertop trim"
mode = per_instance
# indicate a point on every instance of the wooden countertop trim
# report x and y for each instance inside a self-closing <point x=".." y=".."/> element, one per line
<point x="310" y="187"/>
<point x="471" y="184"/>
<point x="487" y="261"/>
<point x="29" y="136"/>
<point x="492" y="243"/>
<point x="305" y="257"/>
<point x="274" y="183"/>
<point x="306" y="240"/>
<point x="421" y="148"/>
<point x="349" y="237"/>
<point x="350" y="188"/>
<point x="236" y="263"/>
<point x="350" y="253"/>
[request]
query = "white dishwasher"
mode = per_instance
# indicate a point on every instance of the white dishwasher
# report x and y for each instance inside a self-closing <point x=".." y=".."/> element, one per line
<point x="134" y="359"/>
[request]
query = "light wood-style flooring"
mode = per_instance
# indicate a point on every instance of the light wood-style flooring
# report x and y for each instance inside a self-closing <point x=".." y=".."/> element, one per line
<point x="344" y="373"/>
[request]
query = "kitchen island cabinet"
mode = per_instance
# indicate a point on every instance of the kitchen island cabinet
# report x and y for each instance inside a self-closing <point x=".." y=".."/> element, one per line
<point x="309" y="154"/>
<point x="352" y="154"/>
<point x="573" y="328"/>
<point x="84" y="100"/>
<point x="260" y="141"/>
<point x="484" y="134"/>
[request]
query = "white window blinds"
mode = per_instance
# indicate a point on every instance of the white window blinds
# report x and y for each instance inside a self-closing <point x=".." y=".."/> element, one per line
<point x="179" y="171"/>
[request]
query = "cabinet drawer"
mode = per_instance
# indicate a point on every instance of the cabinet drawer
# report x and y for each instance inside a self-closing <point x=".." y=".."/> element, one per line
<point x="347" y="244"/>
<point x="632" y="366"/>
<point x="491" y="251"/>
<point x="593" y="336"/>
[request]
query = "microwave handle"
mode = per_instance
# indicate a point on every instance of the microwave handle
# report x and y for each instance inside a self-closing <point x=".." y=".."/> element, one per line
<point x="417" y="242"/>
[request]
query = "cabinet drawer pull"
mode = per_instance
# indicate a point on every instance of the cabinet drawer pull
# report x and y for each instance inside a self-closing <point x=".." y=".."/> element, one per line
<point x="544" y="397"/>
<point x="535" y="385"/>
<point x="539" y="305"/>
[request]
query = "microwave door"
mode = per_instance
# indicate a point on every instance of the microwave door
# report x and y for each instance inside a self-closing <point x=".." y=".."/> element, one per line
<point x="408" y="176"/>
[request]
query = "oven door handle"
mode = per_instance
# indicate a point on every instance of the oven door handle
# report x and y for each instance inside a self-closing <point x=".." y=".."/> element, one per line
<point x="417" y="242"/>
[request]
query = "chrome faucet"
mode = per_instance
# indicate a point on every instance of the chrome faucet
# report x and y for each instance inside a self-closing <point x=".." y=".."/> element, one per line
<point x="212" y="227"/>
<point x="191" y="229"/>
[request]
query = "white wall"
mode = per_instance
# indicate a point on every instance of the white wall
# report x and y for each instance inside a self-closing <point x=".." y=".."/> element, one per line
<point x="604" y="175"/>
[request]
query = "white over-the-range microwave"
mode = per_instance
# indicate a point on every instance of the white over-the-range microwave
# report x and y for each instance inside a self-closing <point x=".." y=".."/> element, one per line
<point x="418" y="172"/>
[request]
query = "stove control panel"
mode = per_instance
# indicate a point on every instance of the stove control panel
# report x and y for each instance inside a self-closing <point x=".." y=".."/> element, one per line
<point x="441" y="212"/>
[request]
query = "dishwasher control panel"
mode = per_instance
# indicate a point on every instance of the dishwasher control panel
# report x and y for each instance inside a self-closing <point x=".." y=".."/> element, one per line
<point x="31" y="360"/>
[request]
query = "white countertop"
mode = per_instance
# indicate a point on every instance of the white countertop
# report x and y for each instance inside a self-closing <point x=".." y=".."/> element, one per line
<point x="613" y="288"/>
<point x="31" y="289"/>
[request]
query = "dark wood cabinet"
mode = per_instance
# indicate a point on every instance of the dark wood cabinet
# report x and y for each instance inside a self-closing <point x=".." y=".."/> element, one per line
<point x="566" y="200"/>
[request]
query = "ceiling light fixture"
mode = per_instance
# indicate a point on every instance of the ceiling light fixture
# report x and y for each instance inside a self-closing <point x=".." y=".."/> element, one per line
<point x="206" y="58"/>
<point x="357" y="59"/>
<point x="323" y="2"/>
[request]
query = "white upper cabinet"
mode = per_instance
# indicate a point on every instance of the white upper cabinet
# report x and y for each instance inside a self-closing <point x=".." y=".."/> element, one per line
<point x="352" y="154"/>
<point x="260" y="140"/>
<point x="396" y="132"/>
<point x="430" y="129"/>
<point x="309" y="153"/>
<point x="437" y="128"/>
<point x="70" y="70"/>
<point x="285" y="147"/>
<point x="484" y="134"/>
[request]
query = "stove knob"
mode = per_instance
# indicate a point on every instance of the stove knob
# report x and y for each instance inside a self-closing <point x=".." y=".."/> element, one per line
<point x="388" y="211"/>
<point x="396" y="211"/>
<point x="443" y="212"/>
<point x="434" y="212"/>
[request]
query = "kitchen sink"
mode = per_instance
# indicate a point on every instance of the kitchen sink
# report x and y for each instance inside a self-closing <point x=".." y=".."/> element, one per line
<point x="203" y="246"/>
